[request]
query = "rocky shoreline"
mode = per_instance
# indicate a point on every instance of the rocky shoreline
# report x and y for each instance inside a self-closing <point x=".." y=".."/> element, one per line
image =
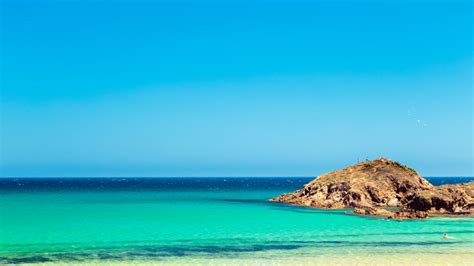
<point x="371" y="187"/>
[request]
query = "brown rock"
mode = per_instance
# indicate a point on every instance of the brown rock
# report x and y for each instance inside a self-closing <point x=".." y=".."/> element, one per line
<point x="446" y="199"/>
<point x="408" y="214"/>
<point x="371" y="185"/>
<point x="373" y="211"/>
<point x="376" y="183"/>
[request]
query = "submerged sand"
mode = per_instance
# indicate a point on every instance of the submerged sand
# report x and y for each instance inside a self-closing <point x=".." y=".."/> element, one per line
<point x="464" y="258"/>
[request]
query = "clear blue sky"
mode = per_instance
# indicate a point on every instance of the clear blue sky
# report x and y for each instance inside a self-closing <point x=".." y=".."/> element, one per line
<point x="236" y="88"/>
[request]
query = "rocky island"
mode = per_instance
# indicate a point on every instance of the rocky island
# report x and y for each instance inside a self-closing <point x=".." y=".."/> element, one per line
<point x="386" y="188"/>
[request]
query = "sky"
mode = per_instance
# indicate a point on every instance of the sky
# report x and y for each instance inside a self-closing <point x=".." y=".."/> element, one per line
<point x="234" y="88"/>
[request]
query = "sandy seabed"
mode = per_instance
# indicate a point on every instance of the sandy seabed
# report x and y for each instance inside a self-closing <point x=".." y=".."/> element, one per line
<point x="374" y="259"/>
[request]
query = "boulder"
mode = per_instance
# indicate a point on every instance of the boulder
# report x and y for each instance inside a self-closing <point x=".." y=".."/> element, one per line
<point x="408" y="214"/>
<point x="372" y="211"/>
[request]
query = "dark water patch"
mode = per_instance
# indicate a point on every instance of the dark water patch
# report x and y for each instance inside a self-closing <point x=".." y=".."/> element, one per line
<point x="146" y="245"/>
<point x="108" y="257"/>
<point x="149" y="184"/>
<point x="438" y="181"/>
<point x="375" y="244"/>
<point x="280" y="206"/>
<point x="213" y="249"/>
<point x="31" y="259"/>
<point x="157" y="251"/>
<point x="72" y="258"/>
<point x="304" y="210"/>
<point x="172" y="184"/>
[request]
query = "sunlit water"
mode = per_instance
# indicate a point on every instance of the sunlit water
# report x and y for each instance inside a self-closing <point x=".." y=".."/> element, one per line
<point x="84" y="220"/>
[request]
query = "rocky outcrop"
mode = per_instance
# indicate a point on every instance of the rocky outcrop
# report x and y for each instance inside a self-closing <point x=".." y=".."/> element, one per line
<point x="372" y="211"/>
<point x="377" y="183"/>
<point x="446" y="199"/>
<point x="372" y="185"/>
<point x="407" y="214"/>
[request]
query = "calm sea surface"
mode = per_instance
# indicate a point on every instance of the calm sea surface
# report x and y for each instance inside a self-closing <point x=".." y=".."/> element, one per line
<point x="157" y="219"/>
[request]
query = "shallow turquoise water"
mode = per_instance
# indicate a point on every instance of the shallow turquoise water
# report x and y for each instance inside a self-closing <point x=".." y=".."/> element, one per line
<point x="214" y="219"/>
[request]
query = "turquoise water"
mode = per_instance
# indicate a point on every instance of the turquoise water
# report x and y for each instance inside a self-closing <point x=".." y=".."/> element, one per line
<point x="74" y="221"/>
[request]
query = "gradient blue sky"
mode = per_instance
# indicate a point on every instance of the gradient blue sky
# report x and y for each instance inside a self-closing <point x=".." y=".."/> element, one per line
<point x="234" y="88"/>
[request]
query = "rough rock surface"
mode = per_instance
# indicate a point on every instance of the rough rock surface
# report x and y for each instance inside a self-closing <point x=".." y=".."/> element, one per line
<point x="376" y="183"/>
<point x="446" y="199"/>
<point x="380" y="183"/>
<point x="372" y="211"/>
<point x="407" y="214"/>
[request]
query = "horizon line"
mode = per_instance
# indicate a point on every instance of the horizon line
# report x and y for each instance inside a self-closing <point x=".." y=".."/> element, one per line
<point x="125" y="177"/>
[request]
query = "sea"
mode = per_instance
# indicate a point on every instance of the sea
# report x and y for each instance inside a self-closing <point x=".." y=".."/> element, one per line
<point x="209" y="221"/>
